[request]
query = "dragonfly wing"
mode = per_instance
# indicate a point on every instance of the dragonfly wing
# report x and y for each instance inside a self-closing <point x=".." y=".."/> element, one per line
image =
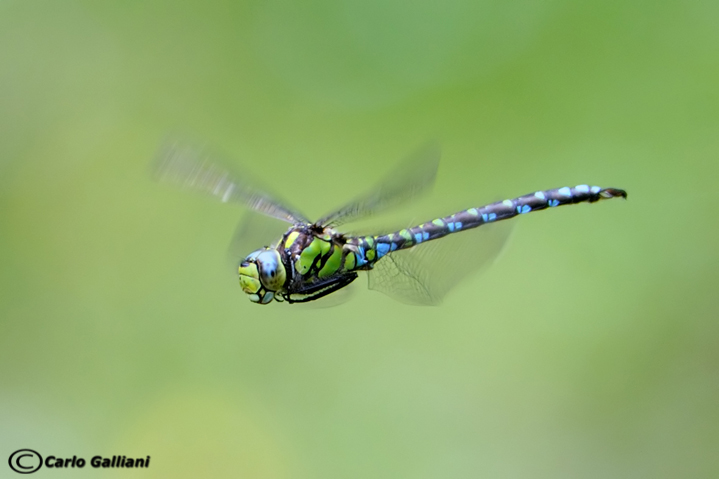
<point x="410" y="178"/>
<point x="194" y="168"/>
<point x="254" y="231"/>
<point x="424" y="274"/>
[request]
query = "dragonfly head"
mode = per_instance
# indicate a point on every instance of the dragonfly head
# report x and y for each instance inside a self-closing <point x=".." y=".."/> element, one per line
<point x="262" y="274"/>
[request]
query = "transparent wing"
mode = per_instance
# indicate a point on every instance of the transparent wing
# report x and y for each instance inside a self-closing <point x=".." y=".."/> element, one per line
<point x="424" y="274"/>
<point x="410" y="178"/>
<point x="254" y="231"/>
<point x="193" y="168"/>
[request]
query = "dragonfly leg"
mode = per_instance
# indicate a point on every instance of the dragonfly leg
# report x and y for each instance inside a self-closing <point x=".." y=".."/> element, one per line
<point x="319" y="289"/>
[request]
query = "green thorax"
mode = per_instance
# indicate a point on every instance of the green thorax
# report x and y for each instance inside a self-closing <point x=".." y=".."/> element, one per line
<point x="310" y="251"/>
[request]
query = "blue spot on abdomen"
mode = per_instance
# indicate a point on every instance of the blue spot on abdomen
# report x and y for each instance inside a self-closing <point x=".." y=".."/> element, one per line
<point x="524" y="209"/>
<point x="582" y="188"/>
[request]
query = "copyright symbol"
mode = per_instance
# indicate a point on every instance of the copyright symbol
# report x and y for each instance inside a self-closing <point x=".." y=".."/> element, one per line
<point x="25" y="461"/>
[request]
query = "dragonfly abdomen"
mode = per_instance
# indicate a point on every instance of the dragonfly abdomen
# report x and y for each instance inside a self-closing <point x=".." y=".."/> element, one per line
<point x="501" y="210"/>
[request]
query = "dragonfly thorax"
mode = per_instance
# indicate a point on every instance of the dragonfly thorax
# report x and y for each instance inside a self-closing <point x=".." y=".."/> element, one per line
<point x="262" y="275"/>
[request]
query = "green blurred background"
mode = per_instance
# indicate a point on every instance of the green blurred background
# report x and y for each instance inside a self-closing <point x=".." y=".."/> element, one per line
<point x="590" y="349"/>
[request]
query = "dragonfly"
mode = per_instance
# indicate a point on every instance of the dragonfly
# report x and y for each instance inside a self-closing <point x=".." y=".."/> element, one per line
<point x="313" y="259"/>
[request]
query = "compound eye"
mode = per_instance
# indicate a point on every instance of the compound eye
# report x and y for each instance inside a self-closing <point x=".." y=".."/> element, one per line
<point x="272" y="272"/>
